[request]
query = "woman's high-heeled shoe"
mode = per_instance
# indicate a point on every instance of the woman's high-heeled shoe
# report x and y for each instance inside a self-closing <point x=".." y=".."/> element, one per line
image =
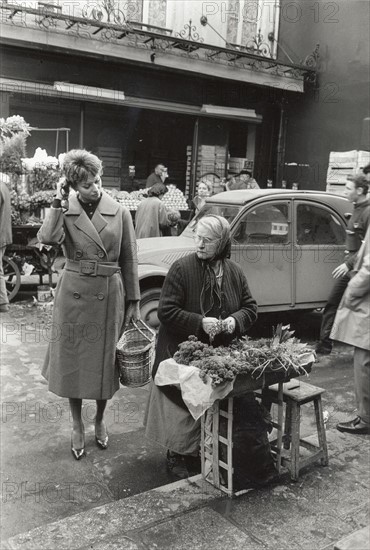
<point x="77" y="453"/>
<point x="102" y="443"/>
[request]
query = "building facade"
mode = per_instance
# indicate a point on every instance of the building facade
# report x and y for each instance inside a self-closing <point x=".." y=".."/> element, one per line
<point x="202" y="87"/>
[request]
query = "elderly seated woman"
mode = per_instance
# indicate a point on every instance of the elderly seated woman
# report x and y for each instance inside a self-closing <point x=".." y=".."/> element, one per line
<point x="199" y="290"/>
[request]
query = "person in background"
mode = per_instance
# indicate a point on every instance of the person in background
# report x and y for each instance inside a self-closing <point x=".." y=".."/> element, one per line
<point x="351" y="326"/>
<point x="199" y="290"/>
<point x="96" y="295"/>
<point x="366" y="171"/>
<point x="151" y="214"/>
<point x="204" y="190"/>
<point x="5" y="236"/>
<point x="156" y="176"/>
<point x="243" y="180"/>
<point x="356" y="191"/>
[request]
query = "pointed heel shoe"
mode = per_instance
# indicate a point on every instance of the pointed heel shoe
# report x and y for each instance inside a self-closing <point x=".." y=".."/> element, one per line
<point x="77" y="453"/>
<point x="102" y="442"/>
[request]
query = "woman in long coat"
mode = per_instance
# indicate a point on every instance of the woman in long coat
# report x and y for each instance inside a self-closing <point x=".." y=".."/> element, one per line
<point x="97" y="292"/>
<point x="351" y="326"/>
<point x="199" y="290"/>
<point x="151" y="214"/>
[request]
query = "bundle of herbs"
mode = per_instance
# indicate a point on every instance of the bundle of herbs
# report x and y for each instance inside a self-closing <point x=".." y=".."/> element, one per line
<point x="281" y="353"/>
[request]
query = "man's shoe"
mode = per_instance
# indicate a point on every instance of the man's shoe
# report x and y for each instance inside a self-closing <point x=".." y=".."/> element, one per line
<point x="323" y="349"/>
<point x="176" y="465"/>
<point x="355" y="426"/>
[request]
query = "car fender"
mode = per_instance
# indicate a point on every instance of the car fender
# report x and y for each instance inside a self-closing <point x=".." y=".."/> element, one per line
<point x="147" y="271"/>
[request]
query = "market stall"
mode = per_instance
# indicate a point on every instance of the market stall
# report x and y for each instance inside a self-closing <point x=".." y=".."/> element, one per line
<point x="32" y="183"/>
<point x="219" y="386"/>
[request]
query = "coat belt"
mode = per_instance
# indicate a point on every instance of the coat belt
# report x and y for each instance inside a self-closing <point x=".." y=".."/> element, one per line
<point x="92" y="268"/>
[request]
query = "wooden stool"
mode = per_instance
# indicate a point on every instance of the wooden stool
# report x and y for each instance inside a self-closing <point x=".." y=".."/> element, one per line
<point x="296" y="394"/>
<point x="220" y="472"/>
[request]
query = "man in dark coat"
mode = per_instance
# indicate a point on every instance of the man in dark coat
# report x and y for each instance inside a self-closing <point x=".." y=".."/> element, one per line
<point x="357" y="226"/>
<point x="156" y="176"/>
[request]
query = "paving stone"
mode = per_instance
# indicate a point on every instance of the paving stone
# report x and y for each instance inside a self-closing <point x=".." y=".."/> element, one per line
<point x="199" y="530"/>
<point x="106" y="522"/>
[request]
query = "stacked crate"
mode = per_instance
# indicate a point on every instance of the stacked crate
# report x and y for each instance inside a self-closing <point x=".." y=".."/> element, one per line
<point x="237" y="164"/>
<point x="343" y="165"/>
<point x="211" y="159"/>
<point x="112" y="166"/>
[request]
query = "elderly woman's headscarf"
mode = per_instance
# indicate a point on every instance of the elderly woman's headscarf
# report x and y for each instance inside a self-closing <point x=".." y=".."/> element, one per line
<point x="219" y="230"/>
<point x="157" y="190"/>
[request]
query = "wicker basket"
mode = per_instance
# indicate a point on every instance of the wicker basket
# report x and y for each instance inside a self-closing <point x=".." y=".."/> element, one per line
<point x="135" y="355"/>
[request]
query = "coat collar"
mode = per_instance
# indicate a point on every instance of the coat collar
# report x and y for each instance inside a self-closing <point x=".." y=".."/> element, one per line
<point x="107" y="206"/>
<point x="92" y="228"/>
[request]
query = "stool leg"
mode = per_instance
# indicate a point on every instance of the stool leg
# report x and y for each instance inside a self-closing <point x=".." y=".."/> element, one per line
<point x="288" y="425"/>
<point x="280" y="428"/>
<point x="230" y="469"/>
<point x="294" y="451"/>
<point x="215" y="448"/>
<point x="321" y="430"/>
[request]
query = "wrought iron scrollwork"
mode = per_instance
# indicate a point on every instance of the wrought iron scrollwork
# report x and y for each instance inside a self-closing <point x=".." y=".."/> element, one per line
<point x="257" y="46"/>
<point x="312" y="60"/>
<point x="112" y="26"/>
<point x="189" y="32"/>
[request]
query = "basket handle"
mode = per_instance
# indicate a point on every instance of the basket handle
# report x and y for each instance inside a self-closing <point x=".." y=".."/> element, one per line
<point x="145" y="326"/>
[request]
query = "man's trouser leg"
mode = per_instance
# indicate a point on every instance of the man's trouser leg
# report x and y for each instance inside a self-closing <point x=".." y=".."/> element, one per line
<point x="3" y="294"/>
<point x="331" y="310"/>
<point x="361" y="363"/>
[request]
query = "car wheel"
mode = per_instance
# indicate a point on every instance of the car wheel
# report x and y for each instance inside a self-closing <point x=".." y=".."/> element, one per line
<point x="149" y="306"/>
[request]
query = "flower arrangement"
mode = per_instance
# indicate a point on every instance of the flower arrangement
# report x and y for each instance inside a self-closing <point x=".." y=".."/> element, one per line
<point x="43" y="171"/>
<point x="12" y="149"/>
<point x="42" y="198"/>
<point x="14" y="125"/>
<point x="20" y="203"/>
<point x="281" y="353"/>
<point x="13" y="133"/>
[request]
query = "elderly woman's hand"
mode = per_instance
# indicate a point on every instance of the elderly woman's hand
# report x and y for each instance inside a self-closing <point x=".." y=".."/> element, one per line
<point x="211" y="325"/>
<point x="229" y="325"/>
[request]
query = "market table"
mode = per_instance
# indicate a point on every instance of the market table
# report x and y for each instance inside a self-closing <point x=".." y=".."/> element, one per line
<point x="210" y="423"/>
<point x="24" y="250"/>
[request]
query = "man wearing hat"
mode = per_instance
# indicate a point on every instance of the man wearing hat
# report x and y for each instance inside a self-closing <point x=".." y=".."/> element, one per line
<point x="356" y="191"/>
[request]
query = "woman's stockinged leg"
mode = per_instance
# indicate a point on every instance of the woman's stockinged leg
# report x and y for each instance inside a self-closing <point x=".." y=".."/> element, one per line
<point x="78" y="433"/>
<point x="101" y="434"/>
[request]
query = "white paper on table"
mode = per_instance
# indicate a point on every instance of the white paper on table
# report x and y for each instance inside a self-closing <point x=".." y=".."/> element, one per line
<point x="197" y="395"/>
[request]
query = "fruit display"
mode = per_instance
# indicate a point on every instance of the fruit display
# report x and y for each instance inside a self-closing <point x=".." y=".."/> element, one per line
<point x="175" y="199"/>
<point x="131" y="200"/>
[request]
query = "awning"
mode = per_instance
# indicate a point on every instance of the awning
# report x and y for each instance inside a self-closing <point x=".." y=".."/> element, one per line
<point x="79" y="92"/>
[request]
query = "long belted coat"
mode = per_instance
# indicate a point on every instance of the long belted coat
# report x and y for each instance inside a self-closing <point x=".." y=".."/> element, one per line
<point x="89" y="310"/>
<point x="352" y="321"/>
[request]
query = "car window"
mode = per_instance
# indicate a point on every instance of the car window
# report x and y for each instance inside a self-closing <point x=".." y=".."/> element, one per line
<point x="267" y="223"/>
<point x="316" y="225"/>
<point x="225" y="210"/>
